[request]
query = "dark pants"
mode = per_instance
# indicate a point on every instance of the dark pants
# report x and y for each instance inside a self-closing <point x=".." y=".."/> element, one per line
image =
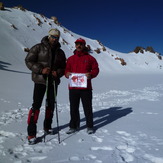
<point x="38" y="95"/>
<point x="86" y="98"/>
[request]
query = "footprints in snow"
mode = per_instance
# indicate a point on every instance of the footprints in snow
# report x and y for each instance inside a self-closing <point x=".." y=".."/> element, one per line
<point x="124" y="147"/>
<point x="121" y="98"/>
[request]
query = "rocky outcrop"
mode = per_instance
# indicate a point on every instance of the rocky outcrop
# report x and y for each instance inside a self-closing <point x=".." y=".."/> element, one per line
<point x="2" y="6"/>
<point x="140" y="49"/>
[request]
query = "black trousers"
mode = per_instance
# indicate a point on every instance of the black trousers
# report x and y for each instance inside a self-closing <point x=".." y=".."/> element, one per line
<point x="75" y="95"/>
<point x="38" y="95"/>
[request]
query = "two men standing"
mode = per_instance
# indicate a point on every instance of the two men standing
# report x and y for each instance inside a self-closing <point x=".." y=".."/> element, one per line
<point x="47" y="62"/>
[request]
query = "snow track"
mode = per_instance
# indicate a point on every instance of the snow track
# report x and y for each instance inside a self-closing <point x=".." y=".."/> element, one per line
<point x="119" y="146"/>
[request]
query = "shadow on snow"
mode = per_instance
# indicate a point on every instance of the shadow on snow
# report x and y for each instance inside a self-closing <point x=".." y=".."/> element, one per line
<point x="106" y="116"/>
<point x="103" y="117"/>
<point x="4" y="66"/>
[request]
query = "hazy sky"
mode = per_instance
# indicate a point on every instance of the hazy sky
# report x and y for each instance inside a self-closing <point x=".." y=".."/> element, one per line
<point x="119" y="24"/>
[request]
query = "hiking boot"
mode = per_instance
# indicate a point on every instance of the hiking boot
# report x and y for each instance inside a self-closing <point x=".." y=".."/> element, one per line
<point x="48" y="131"/>
<point x="71" y="131"/>
<point x="32" y="140"/>
<point x="90" y="130"/>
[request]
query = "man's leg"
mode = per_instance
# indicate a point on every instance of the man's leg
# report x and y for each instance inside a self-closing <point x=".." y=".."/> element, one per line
<point x="49" y="110"/>
<point x="38" y="94"/>
<point x="86" y="97"/>
<point x="74" y="97"/>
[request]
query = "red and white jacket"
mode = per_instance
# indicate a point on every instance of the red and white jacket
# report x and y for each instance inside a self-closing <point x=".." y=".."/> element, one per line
<point x="82" y="62"/>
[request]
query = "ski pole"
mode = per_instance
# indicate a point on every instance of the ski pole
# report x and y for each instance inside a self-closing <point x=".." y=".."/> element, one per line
<point x="55" y="95"/>
<point x="46" y="100"/>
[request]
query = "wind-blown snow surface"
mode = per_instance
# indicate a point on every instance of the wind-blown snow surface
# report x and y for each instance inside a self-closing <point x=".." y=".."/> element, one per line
<point x="127" y="102"/>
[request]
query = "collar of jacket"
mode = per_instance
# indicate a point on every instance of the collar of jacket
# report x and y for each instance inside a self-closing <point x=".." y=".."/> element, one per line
<point x="45" y="41"/>
<point x="80" y="53"/>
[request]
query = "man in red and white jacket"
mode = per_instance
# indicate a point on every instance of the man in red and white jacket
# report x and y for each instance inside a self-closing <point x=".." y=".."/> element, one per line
<point x="81" y="63"/>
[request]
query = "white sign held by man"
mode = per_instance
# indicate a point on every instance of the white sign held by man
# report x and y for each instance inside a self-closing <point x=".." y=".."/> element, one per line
<point x="78" y="80"/>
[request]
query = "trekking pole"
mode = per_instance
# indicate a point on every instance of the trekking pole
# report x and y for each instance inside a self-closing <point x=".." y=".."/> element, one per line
<point x="46" y="101"/>
<point x="55" y="95"/>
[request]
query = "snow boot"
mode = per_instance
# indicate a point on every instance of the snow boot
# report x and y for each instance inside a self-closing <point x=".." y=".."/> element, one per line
<point x="90" y="130"/>
<point x="71" y="131"/>
<point x="32" y="140"/>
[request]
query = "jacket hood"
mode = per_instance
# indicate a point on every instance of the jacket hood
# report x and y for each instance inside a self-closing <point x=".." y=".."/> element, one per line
<point x="45" y="41"/>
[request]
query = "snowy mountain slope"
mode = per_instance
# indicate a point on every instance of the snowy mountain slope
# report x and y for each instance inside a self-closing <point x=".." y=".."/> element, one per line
<point x="127" y="102"/>
<point x="23" y="29"/>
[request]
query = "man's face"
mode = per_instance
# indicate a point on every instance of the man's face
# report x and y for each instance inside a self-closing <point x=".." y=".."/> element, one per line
<point x="79" y="46"/>
<point x="53" y="40"/>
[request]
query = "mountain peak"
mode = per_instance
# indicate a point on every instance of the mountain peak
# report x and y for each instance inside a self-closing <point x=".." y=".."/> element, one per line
<point x="22" y="30"/>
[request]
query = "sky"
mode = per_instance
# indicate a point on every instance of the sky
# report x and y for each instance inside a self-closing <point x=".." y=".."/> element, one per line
<point x="119" y="24"/>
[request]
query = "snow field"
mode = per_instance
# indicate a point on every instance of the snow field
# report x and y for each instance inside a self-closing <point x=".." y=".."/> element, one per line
<point x="107" y="143"/>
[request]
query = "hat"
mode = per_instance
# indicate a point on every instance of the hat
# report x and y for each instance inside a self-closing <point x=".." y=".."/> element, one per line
<point x="81" y="41"/>
<point x="54" y="32"/>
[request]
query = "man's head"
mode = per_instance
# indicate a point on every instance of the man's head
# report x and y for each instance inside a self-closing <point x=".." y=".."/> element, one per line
<point x="54" y="35"/>
<point x="80" y="44"/>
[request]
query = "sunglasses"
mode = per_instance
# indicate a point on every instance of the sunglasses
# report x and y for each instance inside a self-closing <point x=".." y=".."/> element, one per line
<point x="79" y="43"/>
<point x="54" y="37"/>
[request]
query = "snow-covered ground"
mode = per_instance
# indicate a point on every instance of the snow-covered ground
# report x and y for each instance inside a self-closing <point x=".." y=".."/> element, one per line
<point x="127" y="117"/>
<point x="127" y="103"/>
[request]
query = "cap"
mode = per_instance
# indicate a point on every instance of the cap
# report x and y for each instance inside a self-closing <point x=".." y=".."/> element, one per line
<point x="54" y="32"/>
<point x="81" y="41"/>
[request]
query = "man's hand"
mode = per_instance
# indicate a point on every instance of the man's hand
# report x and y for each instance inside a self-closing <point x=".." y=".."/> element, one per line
<point x="54" y="73"/>
<point x="68" y="74"/>
<point x="46" y="70"/>
<point x="88" y="75"/>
